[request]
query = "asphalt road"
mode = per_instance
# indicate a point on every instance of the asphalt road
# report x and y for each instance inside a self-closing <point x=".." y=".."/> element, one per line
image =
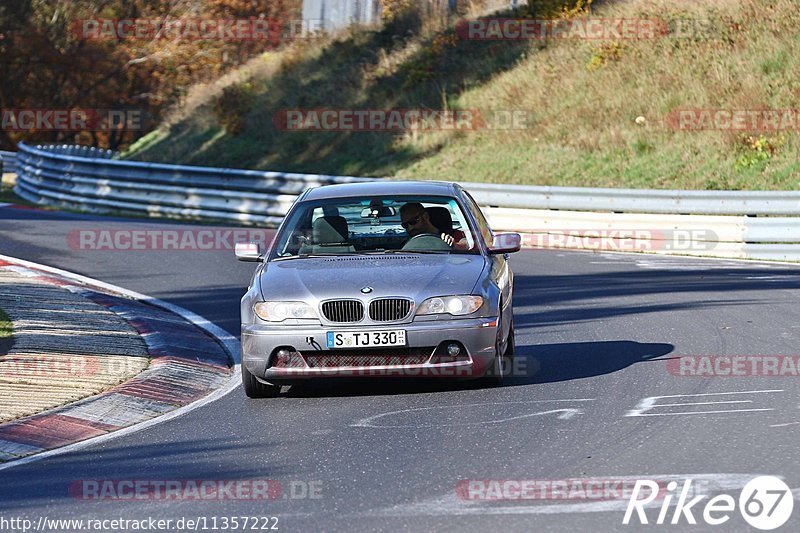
<point x="598" y="335"/>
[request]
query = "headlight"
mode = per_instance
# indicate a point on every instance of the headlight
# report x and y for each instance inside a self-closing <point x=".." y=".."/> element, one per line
<point x="280" y="311"/>
<point x="455" y="305"/>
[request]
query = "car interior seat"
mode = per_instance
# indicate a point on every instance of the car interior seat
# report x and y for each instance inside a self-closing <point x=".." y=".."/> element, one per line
<point x="329" y="235"/>
<point x="441" y="218"/>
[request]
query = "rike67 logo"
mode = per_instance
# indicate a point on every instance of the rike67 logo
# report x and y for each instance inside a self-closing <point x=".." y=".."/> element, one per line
<point x="765" y="503"/>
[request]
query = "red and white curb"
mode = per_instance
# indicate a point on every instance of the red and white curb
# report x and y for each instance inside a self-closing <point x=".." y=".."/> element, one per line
<point x="189" y="368"/>
<point x="20" y="206"/>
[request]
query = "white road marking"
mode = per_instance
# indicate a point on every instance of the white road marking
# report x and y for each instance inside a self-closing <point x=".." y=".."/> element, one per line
<point x="705" y="412"/>
<point x="229" y="342"/>
<point x="779" y="277"/>
<point x="651" y="402"/>
<point x="565" y="414"/>
<point x="674" y="263"/>
<point x="733" y="262"/>
<point x="682" y="266"/>
<point x="784" y="425"/>
<point x="702" y="403"/>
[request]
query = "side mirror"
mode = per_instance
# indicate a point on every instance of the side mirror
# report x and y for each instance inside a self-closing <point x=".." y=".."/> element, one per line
<point x="506" y="243"/>
<point x="247" y="251"/>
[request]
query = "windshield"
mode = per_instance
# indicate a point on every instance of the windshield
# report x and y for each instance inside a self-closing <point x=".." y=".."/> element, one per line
<point x="375" y="225"/>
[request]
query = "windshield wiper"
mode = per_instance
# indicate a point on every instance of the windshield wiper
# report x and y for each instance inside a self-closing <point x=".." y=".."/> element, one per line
<point x="302" y="256"/>
<point x="417" y="252"/>
<point x="375" y="252"/>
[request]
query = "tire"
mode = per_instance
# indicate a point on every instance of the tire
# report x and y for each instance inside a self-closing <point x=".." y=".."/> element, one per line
<point x="494" y="375"/>
<point x="255" y="389"/>
<point x="511" y="344"/>
<point x="500" y="367"/>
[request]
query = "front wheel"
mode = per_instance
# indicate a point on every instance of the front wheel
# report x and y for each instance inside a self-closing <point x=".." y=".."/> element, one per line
<point x="504" y="359"/>
<point x="511" y="345"/>
<point x="494" y="375"/>
<point x="255" y="389"/>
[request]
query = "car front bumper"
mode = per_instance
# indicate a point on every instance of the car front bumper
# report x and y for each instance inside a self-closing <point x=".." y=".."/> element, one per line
<point x="477" y="336"/>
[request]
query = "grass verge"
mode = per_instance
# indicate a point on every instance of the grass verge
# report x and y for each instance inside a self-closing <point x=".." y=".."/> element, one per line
<point x="6" y="330"/>
<point x="599" y="110"/>
<point x="7" y="194"/>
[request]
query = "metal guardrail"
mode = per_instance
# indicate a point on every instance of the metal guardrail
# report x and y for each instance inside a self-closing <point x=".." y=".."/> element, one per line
<point x="640" y="200"/>
<point x="9" y="161"/>
<point x="93" y="179"/>
<point x="730" y="236"/>
<point x="88" y="178"/>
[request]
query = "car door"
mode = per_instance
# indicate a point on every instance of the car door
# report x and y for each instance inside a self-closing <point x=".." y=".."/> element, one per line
<point x="500" y="273"/>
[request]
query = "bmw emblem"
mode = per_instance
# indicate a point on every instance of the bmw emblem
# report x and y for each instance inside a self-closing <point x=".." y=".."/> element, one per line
<point x="366" y="290"/>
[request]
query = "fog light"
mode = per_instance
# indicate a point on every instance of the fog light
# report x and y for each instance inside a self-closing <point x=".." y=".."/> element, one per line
<point x="282" y="357"/>
<point x="453" y="349"/>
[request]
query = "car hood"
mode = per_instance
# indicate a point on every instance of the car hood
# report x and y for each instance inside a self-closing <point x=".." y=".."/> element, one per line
<point x="416" y="276"/>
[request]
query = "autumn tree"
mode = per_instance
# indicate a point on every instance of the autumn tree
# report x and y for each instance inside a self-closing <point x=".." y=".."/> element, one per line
<point x="48" y="62"/>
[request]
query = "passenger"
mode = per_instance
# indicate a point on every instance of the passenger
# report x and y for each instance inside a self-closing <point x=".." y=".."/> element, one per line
<point x="441" y="218"/>
<point x="416" y="221"/>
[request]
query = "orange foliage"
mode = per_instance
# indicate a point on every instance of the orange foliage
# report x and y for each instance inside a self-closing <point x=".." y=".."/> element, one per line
<point x="46" y="61"/>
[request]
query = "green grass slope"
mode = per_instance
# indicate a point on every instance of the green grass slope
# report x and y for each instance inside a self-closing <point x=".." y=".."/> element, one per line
<point x="598" y="109"/>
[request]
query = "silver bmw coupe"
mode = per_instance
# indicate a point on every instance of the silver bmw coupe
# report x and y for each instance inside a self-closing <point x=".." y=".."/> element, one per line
<point x="378" y="279"/>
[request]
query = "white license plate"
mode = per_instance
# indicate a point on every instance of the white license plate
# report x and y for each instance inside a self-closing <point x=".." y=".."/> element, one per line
<point x="366" y="339"/>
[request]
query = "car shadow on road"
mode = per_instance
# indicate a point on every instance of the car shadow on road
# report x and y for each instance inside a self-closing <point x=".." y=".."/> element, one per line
<point x="543" y="363"/>
<point x="548" y="363"/>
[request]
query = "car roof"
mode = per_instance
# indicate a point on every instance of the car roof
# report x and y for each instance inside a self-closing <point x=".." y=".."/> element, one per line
<point x="381" y="187"/>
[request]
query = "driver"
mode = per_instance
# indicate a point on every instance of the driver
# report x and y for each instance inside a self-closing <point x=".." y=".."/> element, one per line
<point x="416" y="221"/>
